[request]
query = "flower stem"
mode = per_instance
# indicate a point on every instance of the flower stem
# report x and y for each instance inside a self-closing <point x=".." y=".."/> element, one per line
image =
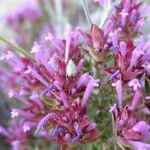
<point x="120" y="146"/>
<point x="113" y="124"/>
<point x="19" y="49"/>
<point x="86" y="11"/>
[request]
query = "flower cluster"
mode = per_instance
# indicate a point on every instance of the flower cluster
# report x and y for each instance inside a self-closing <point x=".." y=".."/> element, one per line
<point x="129" y="16"/>
<point x="130" y="127"/>
<point x="53" y="77"/>
<point x="27" y="12"/>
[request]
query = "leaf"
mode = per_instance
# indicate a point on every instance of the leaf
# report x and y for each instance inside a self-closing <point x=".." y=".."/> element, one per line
<point x="48" y="101"/>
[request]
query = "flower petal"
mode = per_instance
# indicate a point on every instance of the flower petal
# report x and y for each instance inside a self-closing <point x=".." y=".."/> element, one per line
<point x="45" y="120"/>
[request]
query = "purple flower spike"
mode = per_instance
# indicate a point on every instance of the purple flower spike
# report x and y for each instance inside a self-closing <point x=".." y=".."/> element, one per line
<point x="64" y="99"/>
<point x="74" y="140"/>
<point x="104" y="3"/>
<point x="108" y="27"/>
<point x="18" y="97"/>
<point x="27" y="12"/>
<point x="45" y="120"/>
<point x="15" y="145"/>
<point x="51" y="85"/>
<point x="143" y="128"/>
<point x="146" y="66"/>
<point x="68" y="41"/>
<point x="128" y="127"/>
<point x="80" y="64"/>
<point x="146" y="111"/>
<point x="118" y="85"/>
<point x="136" y="99"/>
<point x="133" y="17"/>
<point x="127" y="5"/>
<point x="4" y="132"/>
<point x="77" y="128"/>
<point x="78" y="132"/>
<point x="92" y="83"/>
<point x="139" y="145"/>
<point x="114" y="74"/>
<point x="115" y="37"/>
<point x="36" y="99"/>
<point x="58" y="85"/>
<point x="101" y="2"/>
<point x="135" y="84"/>
<point x="139" y="24"/>
<point x="135" y="56"/>
<point x="91" y="127"/>
<point x="53" y="62"/>
<point x="55" y="42"/>
<point x="36" y="75"/>
<point x="56" y="132"/>
<point x="18" y="112"/>
<point x="83" y="80"/>
<point x="124" y="15"/>
<point x="85" y="36"/>
<point x="123" y="49"/>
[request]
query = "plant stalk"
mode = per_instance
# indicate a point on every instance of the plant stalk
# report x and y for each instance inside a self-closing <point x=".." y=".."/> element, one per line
<point x="17" y="48"/>
<point x="86" y="11"/>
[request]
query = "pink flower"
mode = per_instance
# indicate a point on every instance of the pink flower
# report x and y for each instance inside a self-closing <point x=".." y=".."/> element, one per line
<point x="15" y="136"/>
<point x="98" y="41"/>
<point x="52" y="85"/>
<point x="130" y="61"/>
<point x="129" y="129"/>
<point x="25" y="12"/>
<point x="70" y="125"/>
<point x="129" y="16"/>
<point x="135" y="84"/>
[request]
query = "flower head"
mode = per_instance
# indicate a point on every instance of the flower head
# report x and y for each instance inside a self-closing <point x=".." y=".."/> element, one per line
<point x="51" y="85"/>
<point x="70" y="125"/>
<point x="128" y="126"/>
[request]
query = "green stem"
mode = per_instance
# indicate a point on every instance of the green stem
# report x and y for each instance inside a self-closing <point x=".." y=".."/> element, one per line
<point x="19" y="49"/>
<point x="113" y="125"/>
<point x="86" y="11"/>
<point x="120" y="146"/>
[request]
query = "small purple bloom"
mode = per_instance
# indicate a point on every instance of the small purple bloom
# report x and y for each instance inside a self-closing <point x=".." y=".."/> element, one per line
<point x="128" y="128"/>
